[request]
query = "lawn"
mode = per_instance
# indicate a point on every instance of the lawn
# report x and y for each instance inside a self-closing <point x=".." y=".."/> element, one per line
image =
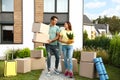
<point x="33" y="75"/>
<point x="113" y="72"/>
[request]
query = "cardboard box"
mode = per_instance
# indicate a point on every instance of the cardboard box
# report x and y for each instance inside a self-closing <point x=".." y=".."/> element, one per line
<point x="62" y="56"/>
<point x="75" y="65"/>
<point x="36" y="53"/>
<point x="40" y="37"/>
<point x="23" y="65"/>
<point x="88" y="56"/>
<point x="40" y="27"/>
<point x="38" y="63"/>
<point x="87" y="69"/>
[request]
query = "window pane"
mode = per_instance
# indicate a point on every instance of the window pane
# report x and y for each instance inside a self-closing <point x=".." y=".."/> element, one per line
<point x="49" y="5"/>
<point x="7" y="34"/>
<point x="62" y="5"/>
<point x="8" y="5"/>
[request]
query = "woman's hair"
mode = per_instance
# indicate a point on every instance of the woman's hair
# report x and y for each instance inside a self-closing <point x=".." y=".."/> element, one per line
<point x="69" y="25"/>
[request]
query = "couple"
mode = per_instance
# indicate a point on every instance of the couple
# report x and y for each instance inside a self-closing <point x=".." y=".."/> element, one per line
<point x="67" y="48"/>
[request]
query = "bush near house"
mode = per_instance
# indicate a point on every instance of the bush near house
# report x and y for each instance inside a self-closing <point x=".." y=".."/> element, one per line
<point x="42" y="48"/>
<point x="114" y="50"/>
<point x="25" y="52"/>
<point x="99" y="42"/>
<point x="21" y="53"/>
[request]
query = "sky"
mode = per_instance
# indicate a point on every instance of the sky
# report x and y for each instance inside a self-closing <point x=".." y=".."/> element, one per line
<point x="95" y="8"/>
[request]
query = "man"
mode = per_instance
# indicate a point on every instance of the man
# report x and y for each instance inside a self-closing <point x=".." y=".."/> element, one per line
<point x="52" y="44"/>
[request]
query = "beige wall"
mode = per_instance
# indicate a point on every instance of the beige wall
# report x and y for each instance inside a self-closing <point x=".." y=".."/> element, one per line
<point x="18" y="21"/>
<point x="39" y="10"/>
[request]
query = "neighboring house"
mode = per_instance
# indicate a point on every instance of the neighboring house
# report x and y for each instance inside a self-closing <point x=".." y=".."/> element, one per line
<point x="101" y="29"/>
<point x="17" y="17"/>
<point x="88" y="26"/>
<point x="96" y="29"/>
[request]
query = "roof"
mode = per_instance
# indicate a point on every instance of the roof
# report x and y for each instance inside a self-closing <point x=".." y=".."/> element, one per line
<point x="100" y="26"/>
<point x="86" y="20"/>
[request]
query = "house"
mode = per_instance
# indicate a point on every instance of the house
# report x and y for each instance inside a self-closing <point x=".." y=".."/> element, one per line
<point x="101" y="29"/>
<point x="17" y="17"/>
<point x="96" y="29"/>
<point x="88" y="26"/>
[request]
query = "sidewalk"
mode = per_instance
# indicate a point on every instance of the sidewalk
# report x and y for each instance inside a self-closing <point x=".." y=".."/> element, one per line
<point x="53" y="76"/>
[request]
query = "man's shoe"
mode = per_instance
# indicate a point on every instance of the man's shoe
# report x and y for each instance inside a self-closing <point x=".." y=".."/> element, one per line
<point x="48" y="73"/>
<point x="56" y="71"/>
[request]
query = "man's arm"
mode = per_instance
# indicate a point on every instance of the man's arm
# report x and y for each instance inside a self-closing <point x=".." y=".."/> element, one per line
<point x="56" y="38"/>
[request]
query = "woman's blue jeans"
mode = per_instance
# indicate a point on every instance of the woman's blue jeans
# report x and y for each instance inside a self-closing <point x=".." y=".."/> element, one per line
<point x="68" y="54"/>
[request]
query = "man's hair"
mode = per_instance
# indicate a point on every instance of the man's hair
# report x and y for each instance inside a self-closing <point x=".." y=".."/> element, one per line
<point x="53" y="17"/>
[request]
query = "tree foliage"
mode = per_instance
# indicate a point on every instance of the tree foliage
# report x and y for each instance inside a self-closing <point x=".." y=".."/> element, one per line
<point x="114" y="23"/>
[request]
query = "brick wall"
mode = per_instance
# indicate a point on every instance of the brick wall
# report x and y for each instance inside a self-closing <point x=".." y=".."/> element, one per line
<point x="38" y="15"/>
<point x="18" y="21"/>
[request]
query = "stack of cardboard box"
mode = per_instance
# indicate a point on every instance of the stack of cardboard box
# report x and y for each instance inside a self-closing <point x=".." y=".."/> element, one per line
<point x="75" y="64"/>
<point x="87" y="67"/>
<point x="41" y="32"/>
<point x="38" y="61"/>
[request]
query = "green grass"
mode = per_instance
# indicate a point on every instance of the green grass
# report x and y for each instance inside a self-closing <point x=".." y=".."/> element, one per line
<point x="113" y="73"/>
<point x="33" y="75"/>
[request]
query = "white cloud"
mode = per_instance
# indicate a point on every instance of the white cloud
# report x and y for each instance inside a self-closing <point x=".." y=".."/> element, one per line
<point x="108" y="12"/>
<point x="95" y="4"/>
<point x="116" y="1"/>
<point x="111" y="11"/>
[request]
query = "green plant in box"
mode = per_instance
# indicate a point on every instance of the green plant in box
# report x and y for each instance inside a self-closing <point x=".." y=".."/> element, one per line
<point x="70" y="35"/>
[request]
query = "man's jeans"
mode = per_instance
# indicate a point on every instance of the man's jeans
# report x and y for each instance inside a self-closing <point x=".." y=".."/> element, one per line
<point x="52" y="49"/>
<point x="68" y="53"/>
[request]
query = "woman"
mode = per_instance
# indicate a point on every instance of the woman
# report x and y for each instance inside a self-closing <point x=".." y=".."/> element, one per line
<point x="67" y="48"/>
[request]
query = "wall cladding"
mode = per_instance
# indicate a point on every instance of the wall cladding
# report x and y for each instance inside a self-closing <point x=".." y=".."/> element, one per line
<point x="18" y="21"/>
<point x="38" y="15"/>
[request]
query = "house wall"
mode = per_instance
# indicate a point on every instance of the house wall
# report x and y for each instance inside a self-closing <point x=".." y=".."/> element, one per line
<point x="89" y="30"/>
<point x="76" y="19"/>
<point x="29" y="17"/>
<point x="18" y="21"/>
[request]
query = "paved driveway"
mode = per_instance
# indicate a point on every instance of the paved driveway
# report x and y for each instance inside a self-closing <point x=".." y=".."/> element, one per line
<point x="53" y="75"/>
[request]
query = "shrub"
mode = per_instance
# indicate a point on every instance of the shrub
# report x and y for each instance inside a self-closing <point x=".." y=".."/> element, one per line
<point x="99" y="42"/>
<point x="42" y="48"/>
<point x="11" y="53"/>
<point x="77" y="55"/>
<point x="100" y="53"/>
<point x="25" y="52"/>
<point x="114" y="50"/>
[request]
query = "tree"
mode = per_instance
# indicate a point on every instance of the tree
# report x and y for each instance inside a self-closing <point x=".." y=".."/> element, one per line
<point x="114" y="23"/>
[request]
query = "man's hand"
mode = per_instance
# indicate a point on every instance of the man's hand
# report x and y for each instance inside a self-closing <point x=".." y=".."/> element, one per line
<point x="49" y="41"/>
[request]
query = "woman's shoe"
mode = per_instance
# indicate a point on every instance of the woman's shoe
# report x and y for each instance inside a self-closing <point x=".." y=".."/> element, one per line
<point x="71" y="74"/>
<point x="66" y="73"/>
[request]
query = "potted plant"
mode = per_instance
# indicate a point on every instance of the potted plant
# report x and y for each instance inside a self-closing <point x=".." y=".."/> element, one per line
<point x="70" y="37"/>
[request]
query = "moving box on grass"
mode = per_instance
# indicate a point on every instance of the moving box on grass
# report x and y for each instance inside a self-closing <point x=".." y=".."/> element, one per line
<point x="23" y="65"/>
<point x="75" y="65"/>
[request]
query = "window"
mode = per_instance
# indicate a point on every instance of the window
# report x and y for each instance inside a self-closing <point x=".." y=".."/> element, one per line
<point x="7" y="34"/>
<point x="56" y="6"/>
<point x="49" y="5"/>
<point x="62" y="5"/>
<point x="7" y="5"/>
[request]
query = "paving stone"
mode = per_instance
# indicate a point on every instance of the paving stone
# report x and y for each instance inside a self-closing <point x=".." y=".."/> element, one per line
<point x="54" y="76"/>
